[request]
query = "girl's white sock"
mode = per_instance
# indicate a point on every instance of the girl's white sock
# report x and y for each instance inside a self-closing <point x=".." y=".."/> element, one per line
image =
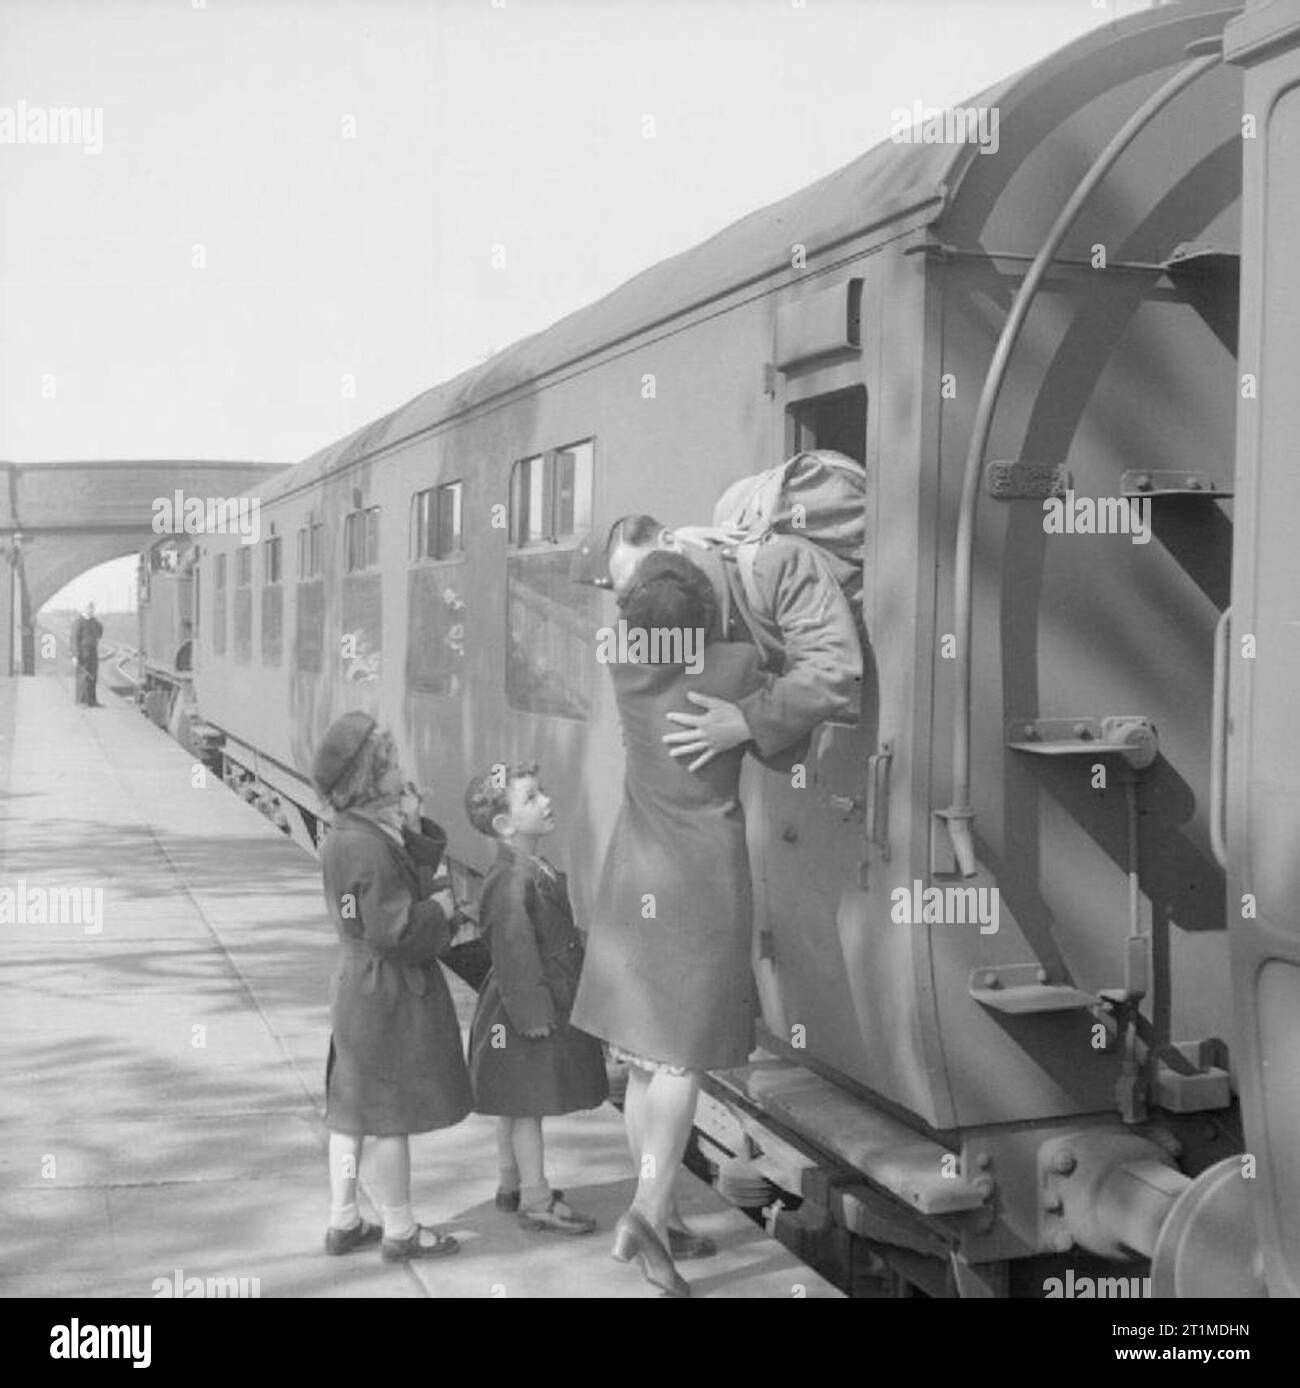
<point x="399" y="1222"/>
<point x="345" y="1216"/>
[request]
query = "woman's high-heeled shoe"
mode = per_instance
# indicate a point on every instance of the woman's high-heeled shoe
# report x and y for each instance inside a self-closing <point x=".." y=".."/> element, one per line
<point x="634" y="1238"/>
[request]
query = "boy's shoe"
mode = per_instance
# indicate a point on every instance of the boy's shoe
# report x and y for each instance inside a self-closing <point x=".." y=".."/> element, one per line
<point x="402" y="1250"/>
<point x="555" y="1217"/>
<point x="346" y="1240"/>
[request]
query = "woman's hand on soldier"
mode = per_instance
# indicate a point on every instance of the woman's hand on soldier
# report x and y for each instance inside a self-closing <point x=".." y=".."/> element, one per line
<point x="718" y="729"/>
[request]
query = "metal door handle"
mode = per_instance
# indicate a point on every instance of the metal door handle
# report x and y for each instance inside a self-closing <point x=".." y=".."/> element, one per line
<point x="878" y="798"/>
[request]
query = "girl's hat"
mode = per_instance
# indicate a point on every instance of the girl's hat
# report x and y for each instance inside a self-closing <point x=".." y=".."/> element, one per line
<point x="339" y="749"/>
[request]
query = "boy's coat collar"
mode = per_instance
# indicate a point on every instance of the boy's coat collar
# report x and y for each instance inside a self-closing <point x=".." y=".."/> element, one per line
<point x="508" y="853"/>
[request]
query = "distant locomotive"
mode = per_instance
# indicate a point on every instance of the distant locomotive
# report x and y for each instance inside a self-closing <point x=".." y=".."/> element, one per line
<point x="969" y="1111"/>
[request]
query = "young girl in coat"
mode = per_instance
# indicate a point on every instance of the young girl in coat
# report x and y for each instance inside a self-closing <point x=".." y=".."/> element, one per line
<point x="395" y="1064"/>
<point x="526" y="1061"/>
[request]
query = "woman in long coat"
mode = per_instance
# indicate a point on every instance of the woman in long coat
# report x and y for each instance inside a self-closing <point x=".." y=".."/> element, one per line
<point x="395" y="1063"/>
<point x="667" y="979"/>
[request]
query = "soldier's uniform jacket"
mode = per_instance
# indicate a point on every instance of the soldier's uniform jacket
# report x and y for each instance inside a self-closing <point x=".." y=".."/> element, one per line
<point x="806" y="633"/>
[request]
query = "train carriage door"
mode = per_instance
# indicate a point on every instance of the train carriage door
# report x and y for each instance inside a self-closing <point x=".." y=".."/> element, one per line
<point x="809" y="823"/>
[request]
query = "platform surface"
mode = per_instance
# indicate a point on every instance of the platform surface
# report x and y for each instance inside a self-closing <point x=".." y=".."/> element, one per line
<point x="161" y="1095"/>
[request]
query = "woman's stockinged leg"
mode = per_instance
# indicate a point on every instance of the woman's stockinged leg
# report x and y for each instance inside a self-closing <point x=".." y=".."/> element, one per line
<point x="666" y="1117"/>
<point x="638" y="1081"/>
<point x="390" y="1166"/>
<point x="633" y="1106"/>
<point x="345" y="1163"/>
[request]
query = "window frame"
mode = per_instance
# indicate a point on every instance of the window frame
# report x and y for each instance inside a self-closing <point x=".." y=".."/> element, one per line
<point x="426" y="523"/>
<point x="546" y="489"/>
<point x="367" y="519"/>
<point x="272" y="574"/>
<point x="311" y="546"/>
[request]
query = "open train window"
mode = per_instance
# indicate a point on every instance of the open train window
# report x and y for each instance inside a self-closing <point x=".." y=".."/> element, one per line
<point x="219" y="605"/>
<point x="361" y="539"/>
<point x="244" y="603"/>
<point x="309" y="601"/>
<point x="310" y="546"/>
<point x="272" y="566"/>
<point x="835" y="420"/>
<point x="550" y="620"/>
<point x="550" y="495"/>
<point x="436" y="522"/>
<point x="272" y="599"/>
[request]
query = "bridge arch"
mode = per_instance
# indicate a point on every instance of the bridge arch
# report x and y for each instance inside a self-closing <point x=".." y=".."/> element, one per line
<point x="60" y="520"/>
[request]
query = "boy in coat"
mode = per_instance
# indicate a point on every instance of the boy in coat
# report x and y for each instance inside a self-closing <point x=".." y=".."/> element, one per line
<point x="526" y="1060"/>
<point x="395" y="1063"/>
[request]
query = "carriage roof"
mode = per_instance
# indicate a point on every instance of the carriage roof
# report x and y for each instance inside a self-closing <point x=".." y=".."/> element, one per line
<point x="879" y="188"/>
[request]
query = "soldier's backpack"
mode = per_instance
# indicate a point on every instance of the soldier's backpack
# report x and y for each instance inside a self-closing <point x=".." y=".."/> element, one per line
<point x="817" y="498"/>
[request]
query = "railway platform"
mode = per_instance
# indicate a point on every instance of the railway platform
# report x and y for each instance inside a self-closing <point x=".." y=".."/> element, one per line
<point x="162" y="1100"/>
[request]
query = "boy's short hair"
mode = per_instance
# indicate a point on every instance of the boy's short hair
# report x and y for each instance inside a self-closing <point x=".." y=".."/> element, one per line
<point x="488" y="795"/>
<point x="637" y="530"/>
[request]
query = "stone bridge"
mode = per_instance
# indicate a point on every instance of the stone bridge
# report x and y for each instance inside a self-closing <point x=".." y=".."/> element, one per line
<point x="57" y="520"/>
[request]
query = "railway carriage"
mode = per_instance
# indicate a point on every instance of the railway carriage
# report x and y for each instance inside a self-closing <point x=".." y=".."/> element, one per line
<point x="972" y="1110"/>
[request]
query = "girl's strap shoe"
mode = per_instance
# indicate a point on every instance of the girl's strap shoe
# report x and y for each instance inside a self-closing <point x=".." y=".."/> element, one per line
<point x="555" y="1217"/>
<point x="508" y="1200"/>
<point x="346" y="1240"/>
<point x="436" y="1245"/>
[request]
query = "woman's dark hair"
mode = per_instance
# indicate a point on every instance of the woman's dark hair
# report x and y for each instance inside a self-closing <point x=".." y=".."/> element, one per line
<point x="669" y="591"/>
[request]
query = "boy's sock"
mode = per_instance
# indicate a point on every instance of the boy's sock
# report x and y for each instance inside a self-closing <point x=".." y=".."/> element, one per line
<point x="534" y="1197"/>
<point x="508" y="1178"/>
<point x="345" y="1216"/>
<point x="399" y="1222"/>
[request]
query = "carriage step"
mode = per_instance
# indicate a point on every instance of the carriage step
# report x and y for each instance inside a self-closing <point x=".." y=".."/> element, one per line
<point x="1026" y="988"/>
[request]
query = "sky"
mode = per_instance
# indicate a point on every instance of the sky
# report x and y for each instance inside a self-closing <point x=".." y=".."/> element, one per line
<point x="305" y="212"/>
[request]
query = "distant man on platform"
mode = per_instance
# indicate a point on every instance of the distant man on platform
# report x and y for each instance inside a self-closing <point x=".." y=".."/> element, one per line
<point x="806" y="634"/>
<point x="86" y="633"/>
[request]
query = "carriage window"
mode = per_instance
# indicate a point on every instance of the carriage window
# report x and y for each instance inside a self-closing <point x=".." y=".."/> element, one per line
<point x="551" y="626"/>
<point x="436" y="619"/>
<point x="361" y="539"/>
<point x="436" y="526"/>
<point x="219" y="605"/>
<point x="550" y="495"/>
<point x="272" y="602"/>
<point x="550" y="621"/>
<point x="244" y="603"/>
<point x="837" y="420"/>
<point x="310" y="545"/>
